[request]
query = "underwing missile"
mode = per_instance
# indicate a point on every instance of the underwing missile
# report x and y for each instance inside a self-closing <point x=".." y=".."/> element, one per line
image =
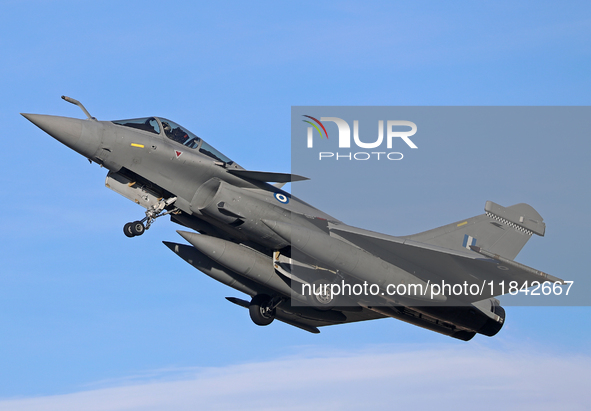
<point x="354" y="261"/>
<point x="242" y="260"/>
<point x="222" y="274"/>
<point x="216" y="271"/>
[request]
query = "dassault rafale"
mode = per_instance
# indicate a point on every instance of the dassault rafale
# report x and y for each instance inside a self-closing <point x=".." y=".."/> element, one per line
<point x="296" y="263"/>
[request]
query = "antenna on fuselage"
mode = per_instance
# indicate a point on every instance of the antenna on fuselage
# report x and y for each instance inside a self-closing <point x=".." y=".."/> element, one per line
<point x="79" y="104"/>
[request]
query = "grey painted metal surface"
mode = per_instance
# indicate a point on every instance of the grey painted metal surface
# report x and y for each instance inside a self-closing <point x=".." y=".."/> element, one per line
<point x="250" y="232"/>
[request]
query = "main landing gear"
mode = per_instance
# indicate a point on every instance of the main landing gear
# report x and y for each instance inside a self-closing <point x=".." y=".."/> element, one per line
<point x="137" y="228"/>
<point x="262" y="309"/>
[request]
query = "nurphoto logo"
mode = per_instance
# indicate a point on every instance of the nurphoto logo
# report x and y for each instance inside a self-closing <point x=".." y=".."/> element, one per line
<point x="394" y="129"/>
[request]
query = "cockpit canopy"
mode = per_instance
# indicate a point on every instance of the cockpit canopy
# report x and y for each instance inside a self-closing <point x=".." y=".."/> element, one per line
<point x="175" y="133"/>
<point x="147" y="124"/>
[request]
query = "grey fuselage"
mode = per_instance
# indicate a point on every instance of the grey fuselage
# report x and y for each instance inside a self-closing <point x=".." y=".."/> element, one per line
<point x="249" y="228"/>
<point x="200" y="182"/>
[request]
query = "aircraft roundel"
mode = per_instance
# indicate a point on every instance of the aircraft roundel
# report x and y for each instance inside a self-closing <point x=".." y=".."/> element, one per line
<point x="282" y="198"/>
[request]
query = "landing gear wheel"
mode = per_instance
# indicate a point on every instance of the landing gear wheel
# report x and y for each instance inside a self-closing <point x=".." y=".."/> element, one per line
<point x="157" y="210"/>
<point x="260" y="314"/>
<point x="320" y="296"/>
<point x="137" y="228"/>
<point x="127" y="230"/>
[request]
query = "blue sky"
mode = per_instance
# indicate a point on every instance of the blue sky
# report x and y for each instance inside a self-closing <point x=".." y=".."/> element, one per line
<point x="84" y="309"/>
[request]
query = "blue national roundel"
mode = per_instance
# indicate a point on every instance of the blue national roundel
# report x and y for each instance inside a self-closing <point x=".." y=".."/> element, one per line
<point x="282" y="198"/>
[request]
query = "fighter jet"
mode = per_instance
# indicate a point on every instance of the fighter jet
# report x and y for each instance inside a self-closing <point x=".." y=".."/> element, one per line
<point x="296" y="263"/>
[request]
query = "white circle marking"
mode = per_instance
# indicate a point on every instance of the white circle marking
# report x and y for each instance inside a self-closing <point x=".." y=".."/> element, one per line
<point x="282" y="198"/>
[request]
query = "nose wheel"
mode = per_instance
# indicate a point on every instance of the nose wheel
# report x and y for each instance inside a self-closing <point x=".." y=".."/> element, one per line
<point x="134" y="229"/>
<point x="138" y="228"/>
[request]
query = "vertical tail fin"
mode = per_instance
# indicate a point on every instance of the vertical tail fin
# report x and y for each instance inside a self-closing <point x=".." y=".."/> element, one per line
<point x="501" y="230"/>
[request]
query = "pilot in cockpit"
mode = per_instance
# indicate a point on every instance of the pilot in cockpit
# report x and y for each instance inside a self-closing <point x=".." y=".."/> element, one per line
<point x="176" y="134"/>
<point x="166" y="128"/>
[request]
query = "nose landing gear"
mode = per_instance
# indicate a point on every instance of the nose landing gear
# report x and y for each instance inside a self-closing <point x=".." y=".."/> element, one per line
<point x="134" y="229"/>
<point x="138" y="228"/>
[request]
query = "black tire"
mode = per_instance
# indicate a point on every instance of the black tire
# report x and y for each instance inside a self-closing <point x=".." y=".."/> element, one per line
<point x="127" y="230"/>
<point x="137" y="228"/>
<point x="259" y="314"/>
<point x="322" y="301"/>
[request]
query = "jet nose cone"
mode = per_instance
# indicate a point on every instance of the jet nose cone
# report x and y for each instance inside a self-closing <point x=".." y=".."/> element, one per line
<point x="64" y="129"/>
